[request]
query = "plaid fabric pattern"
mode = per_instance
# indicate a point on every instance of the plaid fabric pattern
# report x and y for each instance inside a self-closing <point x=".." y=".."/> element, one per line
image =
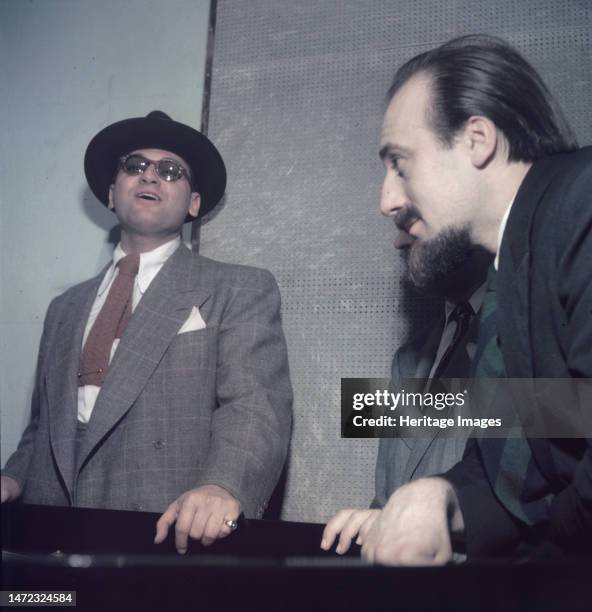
<point x="508" y="462"/>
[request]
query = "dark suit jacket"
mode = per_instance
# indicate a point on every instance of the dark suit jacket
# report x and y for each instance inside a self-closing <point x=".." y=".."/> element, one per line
<point x="176" y="410"/>
<point x="544" y="307"/>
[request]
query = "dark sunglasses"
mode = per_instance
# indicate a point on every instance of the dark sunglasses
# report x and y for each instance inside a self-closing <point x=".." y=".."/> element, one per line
<point x="167" y="169"/>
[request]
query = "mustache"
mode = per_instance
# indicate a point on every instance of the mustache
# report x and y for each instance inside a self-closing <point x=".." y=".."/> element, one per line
<point x="405" y="218"/>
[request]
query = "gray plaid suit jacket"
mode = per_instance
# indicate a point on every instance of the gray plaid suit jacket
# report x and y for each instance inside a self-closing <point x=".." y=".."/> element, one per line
<point x="176" y="411"/>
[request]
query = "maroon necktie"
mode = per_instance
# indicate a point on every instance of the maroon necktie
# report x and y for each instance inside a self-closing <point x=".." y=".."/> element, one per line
<point x="109" y="324"/>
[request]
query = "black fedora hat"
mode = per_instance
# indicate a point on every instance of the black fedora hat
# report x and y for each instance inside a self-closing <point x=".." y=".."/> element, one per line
<point x="155" y="131"/>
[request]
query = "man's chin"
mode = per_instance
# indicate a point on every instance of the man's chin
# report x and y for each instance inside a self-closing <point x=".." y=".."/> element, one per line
<point x="448" y="265"/>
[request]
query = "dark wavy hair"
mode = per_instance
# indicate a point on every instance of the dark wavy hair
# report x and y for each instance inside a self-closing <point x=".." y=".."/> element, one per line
<point x="483" y="75"/>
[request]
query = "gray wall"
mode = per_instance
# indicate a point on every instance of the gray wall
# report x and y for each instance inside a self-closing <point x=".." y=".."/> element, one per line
<point x="70" y="67"/>
<point x="296" y="109"/>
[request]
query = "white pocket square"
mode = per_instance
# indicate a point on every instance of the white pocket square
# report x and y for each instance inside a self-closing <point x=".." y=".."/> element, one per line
<point x="193" y="322"/>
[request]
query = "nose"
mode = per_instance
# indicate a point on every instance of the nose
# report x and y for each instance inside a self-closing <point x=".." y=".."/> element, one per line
<point x="392" y="195"/>
<point x="149" y="175"/>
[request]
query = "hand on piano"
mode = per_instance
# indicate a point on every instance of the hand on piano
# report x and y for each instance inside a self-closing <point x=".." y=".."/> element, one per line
<point x="348" y="524"/>
<point x="414" y="527"/>
<point x="201" y="514"/>
<point x="10" y="489"/>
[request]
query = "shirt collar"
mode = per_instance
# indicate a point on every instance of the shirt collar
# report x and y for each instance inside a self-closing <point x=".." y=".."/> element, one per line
<point x="500" y="234"/>
<point x="150" y="264"/>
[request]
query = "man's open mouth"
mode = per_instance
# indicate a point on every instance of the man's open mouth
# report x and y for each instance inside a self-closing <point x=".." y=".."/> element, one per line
<point x="152" y="197"/>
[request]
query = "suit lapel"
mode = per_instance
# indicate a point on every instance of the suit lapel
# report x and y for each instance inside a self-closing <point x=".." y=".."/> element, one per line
<point x="415" y="359"/>
<point x="62" y="379"/>
<point x="423" y="364"/>
<point x="514" y="288"/>
<point x="156" y="320"/>
<point x="421" y="445"/>
<point x="513" y="282"/>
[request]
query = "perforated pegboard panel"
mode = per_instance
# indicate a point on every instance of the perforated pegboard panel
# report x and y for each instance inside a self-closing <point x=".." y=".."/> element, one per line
<point x="296" y="108"/>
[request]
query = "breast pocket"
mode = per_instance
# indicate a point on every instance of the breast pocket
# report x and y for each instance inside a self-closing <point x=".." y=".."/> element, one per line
<point x="192" y="350"/>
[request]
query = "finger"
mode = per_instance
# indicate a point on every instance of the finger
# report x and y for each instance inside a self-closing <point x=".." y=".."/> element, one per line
<point x="168" y="517"/>
<point x="444" y="553"/>
<point x="225" y="530"/>
<point x="186" y="523"/>
<point x="369" y="545"/>
<point x="406" y="552"/>
<point x="334" y="527"/>
<point x="350" y="530"/>
<point x="200" y="520"/>
<point x="216" y="527"/>
<point x="367" y="551"/>
<point x="212" y="528"/>
<point x="366" y="526"/>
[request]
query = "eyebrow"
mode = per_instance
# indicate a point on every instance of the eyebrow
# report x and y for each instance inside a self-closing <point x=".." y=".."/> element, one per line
<point x="390" y="149"/>
<point x="155" y="161"/>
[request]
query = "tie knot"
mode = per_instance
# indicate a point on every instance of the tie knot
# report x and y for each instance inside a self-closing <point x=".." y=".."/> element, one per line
<point x="462" y="311"/>
<point x="129" y="265"/>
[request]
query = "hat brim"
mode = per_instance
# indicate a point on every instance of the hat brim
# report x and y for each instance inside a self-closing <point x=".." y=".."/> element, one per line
<point x="110" y="144"/>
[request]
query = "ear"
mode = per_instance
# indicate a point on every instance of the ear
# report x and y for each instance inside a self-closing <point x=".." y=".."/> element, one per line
<point x="194" y="204"/>
<point x="482" y="139"/>
<point x="111" y="205"/>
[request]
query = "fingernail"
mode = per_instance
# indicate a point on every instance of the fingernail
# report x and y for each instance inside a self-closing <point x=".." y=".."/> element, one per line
<point x="324" y="544"/>
<point x="359" y="541"/>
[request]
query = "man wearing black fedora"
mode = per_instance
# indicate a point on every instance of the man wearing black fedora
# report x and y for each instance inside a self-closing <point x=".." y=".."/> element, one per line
<point x="162" y="384"/>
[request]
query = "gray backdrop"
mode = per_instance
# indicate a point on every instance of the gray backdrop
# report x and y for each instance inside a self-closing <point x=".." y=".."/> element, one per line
<point x="296" y="107"/>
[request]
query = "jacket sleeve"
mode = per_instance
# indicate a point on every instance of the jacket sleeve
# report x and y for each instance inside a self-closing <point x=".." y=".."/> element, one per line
<point x="490" y="530"/>
<point x="570" y="522"/>
<point x="251" y="424"/>
<point x="17" y="465"/>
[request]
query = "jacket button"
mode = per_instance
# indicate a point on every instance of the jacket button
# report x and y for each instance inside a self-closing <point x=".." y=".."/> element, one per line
<point x="158" y="444"/>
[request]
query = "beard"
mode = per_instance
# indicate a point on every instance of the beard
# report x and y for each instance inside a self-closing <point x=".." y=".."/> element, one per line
<point x="448" y="264"/>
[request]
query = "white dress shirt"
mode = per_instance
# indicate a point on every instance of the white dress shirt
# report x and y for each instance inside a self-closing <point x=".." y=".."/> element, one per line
<point x="500" y="234"/>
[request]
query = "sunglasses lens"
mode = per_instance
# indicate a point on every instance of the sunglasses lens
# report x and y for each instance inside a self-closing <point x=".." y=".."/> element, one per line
<point x="169" y="170"/>
<point x="134" y="164"/>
